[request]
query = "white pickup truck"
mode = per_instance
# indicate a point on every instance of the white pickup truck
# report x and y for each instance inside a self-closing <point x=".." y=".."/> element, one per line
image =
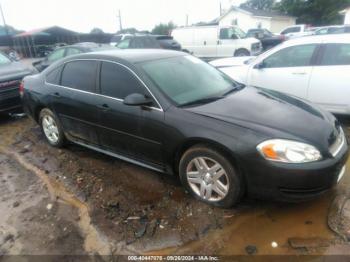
<point x="214" y="41"/>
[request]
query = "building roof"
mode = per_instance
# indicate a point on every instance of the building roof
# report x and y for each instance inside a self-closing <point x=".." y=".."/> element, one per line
<point x="253" y="12"/>
<point x="47" y="31"/>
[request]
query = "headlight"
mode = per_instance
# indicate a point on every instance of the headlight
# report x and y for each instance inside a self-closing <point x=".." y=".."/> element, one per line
<point x="287" y="151"/>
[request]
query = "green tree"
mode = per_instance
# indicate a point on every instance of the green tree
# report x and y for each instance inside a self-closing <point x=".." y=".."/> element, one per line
<point x="315" y="12"/>
<point x="259" y="4"/>
<point x="163" y="29"/>
<point x="130" y="30"/>
<point x="96" y="31"/>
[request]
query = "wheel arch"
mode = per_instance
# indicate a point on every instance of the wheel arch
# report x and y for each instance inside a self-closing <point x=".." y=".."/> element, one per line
<point x="241" y="49"/>
<point x="187" y="144"/>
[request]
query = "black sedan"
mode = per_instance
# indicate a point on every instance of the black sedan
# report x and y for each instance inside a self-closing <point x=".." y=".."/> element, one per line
<point x="69" y="50"/>
<point x="11" y="75"/>
<point x="173" y="113"/>
<point x="267" y="39"/>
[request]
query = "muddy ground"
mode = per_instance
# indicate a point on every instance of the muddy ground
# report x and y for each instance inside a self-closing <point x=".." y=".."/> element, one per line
<point x="77" y="201"/>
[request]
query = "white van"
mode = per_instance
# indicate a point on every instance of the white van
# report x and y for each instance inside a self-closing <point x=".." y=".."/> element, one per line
<point x="215" y="41"/>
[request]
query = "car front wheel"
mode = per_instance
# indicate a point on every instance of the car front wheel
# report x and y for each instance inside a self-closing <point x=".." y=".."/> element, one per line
<point x="51" y="128"/>
<point x="208" y="175"/>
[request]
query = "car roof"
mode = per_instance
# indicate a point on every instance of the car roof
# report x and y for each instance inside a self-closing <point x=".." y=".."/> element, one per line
<point x="133" y="56"/>
<point x="317" y="39"/>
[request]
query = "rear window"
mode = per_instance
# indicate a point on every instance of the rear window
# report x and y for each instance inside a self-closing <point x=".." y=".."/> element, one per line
<point x="336" y="54"/>
<point x="291" y="30"/>
<point x="80" y="75"/>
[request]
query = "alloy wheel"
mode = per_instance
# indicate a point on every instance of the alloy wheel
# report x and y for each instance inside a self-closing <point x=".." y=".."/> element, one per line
<point x="50" y="128"/>
<point x="208" y="179"/>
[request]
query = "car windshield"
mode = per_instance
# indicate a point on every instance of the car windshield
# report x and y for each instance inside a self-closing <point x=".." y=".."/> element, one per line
<point x="187" y="80"/>
<point x="4" y="59"/>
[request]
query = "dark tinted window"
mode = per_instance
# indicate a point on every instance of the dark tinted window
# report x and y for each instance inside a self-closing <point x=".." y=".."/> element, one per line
<point x="136" y="43"/>
<point x="291" y="57"/>
<point x="54" y="76"/>
<point x="336" y="54"/>
<point x="119" y="82"/>
<point x="336" y="30"/>
<point x="80" y="75"/>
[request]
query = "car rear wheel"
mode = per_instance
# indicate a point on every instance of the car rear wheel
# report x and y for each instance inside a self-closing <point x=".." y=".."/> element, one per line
<point x="210" y="177"/>
<point x="51" y="128"/>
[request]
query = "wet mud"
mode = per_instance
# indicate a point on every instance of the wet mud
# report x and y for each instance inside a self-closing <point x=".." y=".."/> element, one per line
<point x="121" y="208"/>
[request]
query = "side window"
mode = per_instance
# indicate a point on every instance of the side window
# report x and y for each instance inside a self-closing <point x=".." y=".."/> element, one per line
<point x="72" y="51"/>
<point x="150" y="42"/>
<point x="124" y="44"/>
<point x="224" y="33"/>
<point x="136" y="43"/>
<point x="54" y="76"/>
<point x="80" y="75"/>
<point x="119" y="82"/>
<point x="56" y="55"/>
<point x="295" y="29"/>
<point x="291" y="57"/>
<point x="322" y="31"/>
<point x="336" y="30"/>
<point x="336" y="54"/>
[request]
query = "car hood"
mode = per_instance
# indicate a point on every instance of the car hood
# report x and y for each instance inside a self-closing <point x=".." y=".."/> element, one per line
<point x="274" y="114"/>
<point x="13" y="70"/>
<point x="230" y="61"/>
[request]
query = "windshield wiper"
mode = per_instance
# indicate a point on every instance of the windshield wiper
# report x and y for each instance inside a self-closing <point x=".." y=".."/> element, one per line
<point x="234" y="88"/>
<point x="202" y="101"/>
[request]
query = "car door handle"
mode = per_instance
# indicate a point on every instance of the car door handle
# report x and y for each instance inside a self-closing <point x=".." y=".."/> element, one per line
<point x="56" y="94"/>
<point x="104" y="107"/>
<point x="205" y="43"/>
<point x="299" y="73"/>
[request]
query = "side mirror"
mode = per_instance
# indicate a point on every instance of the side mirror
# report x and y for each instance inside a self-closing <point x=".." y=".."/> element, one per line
<point x="137" y="100"/>
<point x="260" y="65"/>
<point x="234" y="36"/>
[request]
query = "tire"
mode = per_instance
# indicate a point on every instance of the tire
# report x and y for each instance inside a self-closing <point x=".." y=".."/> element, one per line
<point x="202" y="183"/>
<point x="242" y="52"/>
<point x="47" y="114"/>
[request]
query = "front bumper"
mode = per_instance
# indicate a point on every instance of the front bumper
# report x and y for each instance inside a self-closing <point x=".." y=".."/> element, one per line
<point x="294" y="182"/>
<point x="10" y="102"/>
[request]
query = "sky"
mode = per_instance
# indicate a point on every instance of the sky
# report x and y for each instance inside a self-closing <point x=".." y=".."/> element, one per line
<point x="84" y="15"/>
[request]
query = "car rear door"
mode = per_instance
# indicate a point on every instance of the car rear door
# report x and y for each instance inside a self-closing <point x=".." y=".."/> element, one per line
<point x="73" y="100"/>
<point x="123" y="129"/>
<point x="287" y="70"/>
<point x="329" y="84"/>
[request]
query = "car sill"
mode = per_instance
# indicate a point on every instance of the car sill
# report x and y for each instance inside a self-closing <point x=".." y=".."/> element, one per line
<point x="127" y="159"/>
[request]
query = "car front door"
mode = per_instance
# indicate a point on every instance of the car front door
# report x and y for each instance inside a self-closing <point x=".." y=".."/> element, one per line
<point x="287" y="70"/>
<point x="227" y="43"/>
<point x="329" y="84"/>
<point x="73" y="100"/>
<point x="123" y="129"/>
